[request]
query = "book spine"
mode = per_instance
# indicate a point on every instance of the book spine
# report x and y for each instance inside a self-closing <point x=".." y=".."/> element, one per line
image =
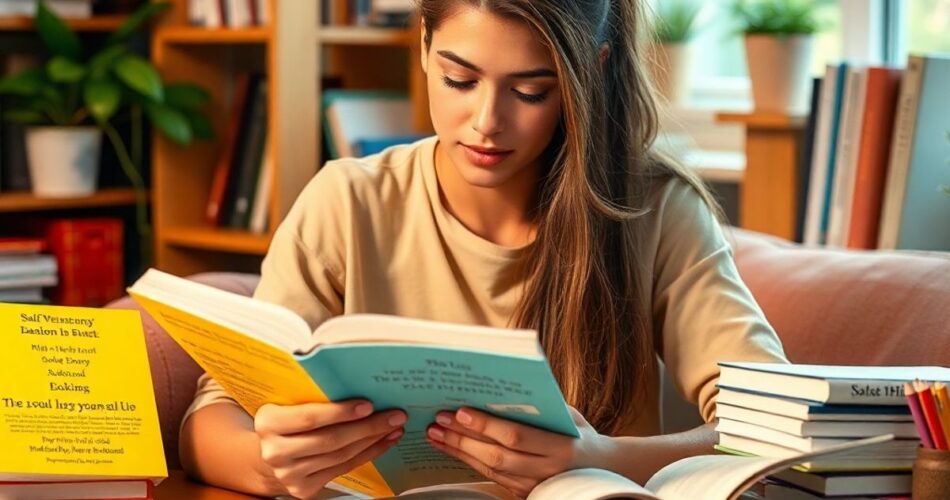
<point x="848" y="137"/>
<point x="836" y="119"/>
<point x="899" y="163"/>
<point x="866" y="392"/>
<point x="223" y="170"/>
<point x="819" y="161"/>
<point x="250" y="158"/>
<point x="806" y="158"/>
<point x="872" y="157"/>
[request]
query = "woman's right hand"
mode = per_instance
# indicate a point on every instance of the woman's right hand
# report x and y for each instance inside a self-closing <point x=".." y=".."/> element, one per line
<point x="311" y="444"/>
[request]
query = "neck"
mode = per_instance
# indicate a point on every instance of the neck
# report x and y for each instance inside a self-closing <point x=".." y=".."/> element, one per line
<point x="500" y="214"/>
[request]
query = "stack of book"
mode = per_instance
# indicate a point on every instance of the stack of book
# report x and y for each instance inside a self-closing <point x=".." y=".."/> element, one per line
<point x="780" y="410"/>
<point x="24" y="270"/>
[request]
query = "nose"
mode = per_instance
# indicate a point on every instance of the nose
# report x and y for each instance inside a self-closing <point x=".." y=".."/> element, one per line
<point x="488" y="120"/>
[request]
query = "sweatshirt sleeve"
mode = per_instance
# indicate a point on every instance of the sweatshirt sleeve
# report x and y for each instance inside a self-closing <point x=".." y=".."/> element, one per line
<point x="702" y="311"/>
<point x="302" y="270"/>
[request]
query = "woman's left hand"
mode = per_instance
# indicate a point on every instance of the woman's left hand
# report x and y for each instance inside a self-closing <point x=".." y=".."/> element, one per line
<point x="515" y="455"/>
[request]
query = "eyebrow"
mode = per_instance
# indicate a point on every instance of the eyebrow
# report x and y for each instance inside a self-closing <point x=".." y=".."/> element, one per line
<point x="532" y="73"/>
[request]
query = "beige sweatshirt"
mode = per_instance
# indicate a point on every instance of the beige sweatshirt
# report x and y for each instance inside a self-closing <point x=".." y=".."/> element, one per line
<point x="371" y="235"/>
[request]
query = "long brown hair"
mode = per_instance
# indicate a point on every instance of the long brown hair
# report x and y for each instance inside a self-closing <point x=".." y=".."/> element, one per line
<point x="582" y="291"/>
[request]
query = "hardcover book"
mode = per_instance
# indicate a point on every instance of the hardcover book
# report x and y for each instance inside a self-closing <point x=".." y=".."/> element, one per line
<point x="68" y="423"/>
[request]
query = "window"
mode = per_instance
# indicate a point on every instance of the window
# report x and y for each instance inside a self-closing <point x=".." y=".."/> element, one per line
<point x="927" y="26"/>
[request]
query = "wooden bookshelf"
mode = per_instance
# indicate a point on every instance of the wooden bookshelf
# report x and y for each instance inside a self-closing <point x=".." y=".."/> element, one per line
<point x="26" y="202"/>
<point x="292" y="51"/>
<point x="98" y="23"/>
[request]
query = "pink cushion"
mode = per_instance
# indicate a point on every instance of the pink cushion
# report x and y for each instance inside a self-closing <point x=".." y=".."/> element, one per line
<point x="173" y="372"/>
<point x="850" y="307"/>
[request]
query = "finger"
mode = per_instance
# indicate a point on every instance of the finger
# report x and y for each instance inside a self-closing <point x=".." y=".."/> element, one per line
<point x="361" y="458"/>
<point x="309" y="465"/>
<point x="278" y="450"/>
<point x="518" y="485"/>
<point x="494" y="455"/>
<point x="275" y="419"/>
<point x="507" y="433"/>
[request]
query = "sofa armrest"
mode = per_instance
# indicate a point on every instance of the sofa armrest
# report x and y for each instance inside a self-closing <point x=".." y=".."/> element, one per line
<point x="174" y="373"/>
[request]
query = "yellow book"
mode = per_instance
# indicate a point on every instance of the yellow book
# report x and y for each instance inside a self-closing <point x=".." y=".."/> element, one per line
<point x="76" y="397"/>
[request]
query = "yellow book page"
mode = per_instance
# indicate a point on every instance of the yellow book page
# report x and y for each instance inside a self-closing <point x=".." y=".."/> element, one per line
<point x="76" y="394"/>
<point x="253" y="372"/>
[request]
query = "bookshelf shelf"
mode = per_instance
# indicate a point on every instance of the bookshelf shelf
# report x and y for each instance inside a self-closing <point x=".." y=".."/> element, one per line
<point x="345" y="35"/>
<point x="26" y="202"/>
<point x="103" y="23"/>
<point x="189" y="35"/>
<point x="218" y="239"/>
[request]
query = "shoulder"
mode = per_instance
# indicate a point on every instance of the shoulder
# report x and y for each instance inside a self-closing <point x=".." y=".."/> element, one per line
<point x="355" y="188"/>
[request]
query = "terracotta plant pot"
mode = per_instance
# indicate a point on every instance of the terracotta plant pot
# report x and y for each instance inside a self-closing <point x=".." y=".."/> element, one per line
<point x="779" y="71"/>
<point x="64" y="161"/>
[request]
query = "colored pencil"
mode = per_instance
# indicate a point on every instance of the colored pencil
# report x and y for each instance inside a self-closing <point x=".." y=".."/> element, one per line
<point x="942" y="399"/>
<point x="930" y="415"/>
<point x="914" y="403"/>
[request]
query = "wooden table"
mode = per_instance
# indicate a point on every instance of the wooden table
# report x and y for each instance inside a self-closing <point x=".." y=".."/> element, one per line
<point x="179" y="487"/>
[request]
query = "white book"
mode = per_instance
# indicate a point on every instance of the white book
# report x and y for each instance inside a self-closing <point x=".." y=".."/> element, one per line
<point x="239" y="13"/>
<point x="365" y="116"/>
<point x="819" y="161"/>
<point x="838" y="384"/>
<point x="859" y="460"/>
<point x="905" y="122"/>
<point x="849" y="143"/>
<point x="844" y="483"/>
<point x="803" y="428"/>
<point x="28" y="295"/>
<point x="18" y="282"/>
<point x="264" y="188"/>
<point x="810" y="410"/>
<point x="214" y="17"/>
<point x="895" y="448"/>
<point x="12" y="266"/>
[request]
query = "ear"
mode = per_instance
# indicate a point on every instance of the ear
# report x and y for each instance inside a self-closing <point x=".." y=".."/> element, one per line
<point x="423" y="50"/>
<point x="604" y="53"/>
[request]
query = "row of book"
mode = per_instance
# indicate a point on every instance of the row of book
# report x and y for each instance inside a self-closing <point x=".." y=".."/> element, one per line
<point x="229" y="13"/>
<point x="75" y="262"/>
<point x="876" y="163"/>
<point x="241" y="185"/>
<point x="776" y="410"/>
<point x="380" y="13"/>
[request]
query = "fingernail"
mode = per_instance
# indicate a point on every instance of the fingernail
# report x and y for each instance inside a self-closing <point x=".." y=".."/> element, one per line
<point x="463" y="417"/>
<point x="397" y="419"/>
<point x="394" y="435"/>
<point x="436" y="434"/>
<point x="443" y="420"/>
<point x="363" y="409"/>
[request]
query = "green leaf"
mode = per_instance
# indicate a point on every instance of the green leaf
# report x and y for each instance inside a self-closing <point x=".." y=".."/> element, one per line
<point x="135" y="21"/>
<point x="25" y="116"/>
<point x="200" y="125"/>
<point x="102" y="97"/>
<point x="101" y="63"/>
<point x="24" y="83"/>
<point x="170" y="122"/>
<point x="59" y="39"/>
<point x="186" y="96"/>
<point x="63" y="70"/>
<point x="140" y="76"/>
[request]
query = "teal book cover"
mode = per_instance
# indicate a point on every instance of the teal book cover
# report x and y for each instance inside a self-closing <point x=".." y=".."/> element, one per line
<point x="425" y="380"/>
<point x="925" y="217"/>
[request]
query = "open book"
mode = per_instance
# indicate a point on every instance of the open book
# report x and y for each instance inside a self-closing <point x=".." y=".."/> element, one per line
<point x="709" y="477"/>
<point x="263" y="353"/>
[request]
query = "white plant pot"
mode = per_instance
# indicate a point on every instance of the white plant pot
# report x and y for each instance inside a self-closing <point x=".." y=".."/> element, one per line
<point x="673" y="63"/>
<point x="779" y="71"/>
<point x="64" y="161"/>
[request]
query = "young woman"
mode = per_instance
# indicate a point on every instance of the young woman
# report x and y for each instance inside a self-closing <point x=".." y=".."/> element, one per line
<point x="538" y="204"/>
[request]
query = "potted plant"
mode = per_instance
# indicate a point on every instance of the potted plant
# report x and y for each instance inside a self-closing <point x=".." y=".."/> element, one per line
<point x="673" y="28"/>
<point x="779" y="39"/>
<point x="75" y="98"/>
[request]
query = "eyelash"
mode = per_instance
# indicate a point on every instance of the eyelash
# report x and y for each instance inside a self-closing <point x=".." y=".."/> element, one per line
<point x="527" y="98"/>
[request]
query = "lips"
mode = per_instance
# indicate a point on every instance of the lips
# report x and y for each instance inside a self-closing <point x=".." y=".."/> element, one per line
<point x="485" y="157"/>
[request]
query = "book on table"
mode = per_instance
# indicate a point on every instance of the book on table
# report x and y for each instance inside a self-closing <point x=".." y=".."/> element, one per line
<point x="70" y="426"/>
<point x="263" y="353"/>
<point x="810" y="411"/>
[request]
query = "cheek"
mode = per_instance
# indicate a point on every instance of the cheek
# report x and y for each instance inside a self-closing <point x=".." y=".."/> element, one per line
<point x="537" y="123"/>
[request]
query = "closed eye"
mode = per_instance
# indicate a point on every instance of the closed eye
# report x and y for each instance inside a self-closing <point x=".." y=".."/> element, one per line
<point x="455" y="84"/>
<point x="470" y="84"/>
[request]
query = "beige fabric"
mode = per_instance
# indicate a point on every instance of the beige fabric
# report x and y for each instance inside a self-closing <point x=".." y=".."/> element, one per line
<point x="371" y="235"/>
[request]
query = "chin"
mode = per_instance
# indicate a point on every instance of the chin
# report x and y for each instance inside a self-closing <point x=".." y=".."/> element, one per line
<point x="484" y="177"/>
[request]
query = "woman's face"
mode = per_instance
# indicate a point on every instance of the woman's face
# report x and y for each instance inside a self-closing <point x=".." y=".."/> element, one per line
<point x="493" y="95"/>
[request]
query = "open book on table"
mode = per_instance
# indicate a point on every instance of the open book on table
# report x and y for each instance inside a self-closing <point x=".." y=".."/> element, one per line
<point x="706" y="477"/>
<point x="263" y="353"/>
